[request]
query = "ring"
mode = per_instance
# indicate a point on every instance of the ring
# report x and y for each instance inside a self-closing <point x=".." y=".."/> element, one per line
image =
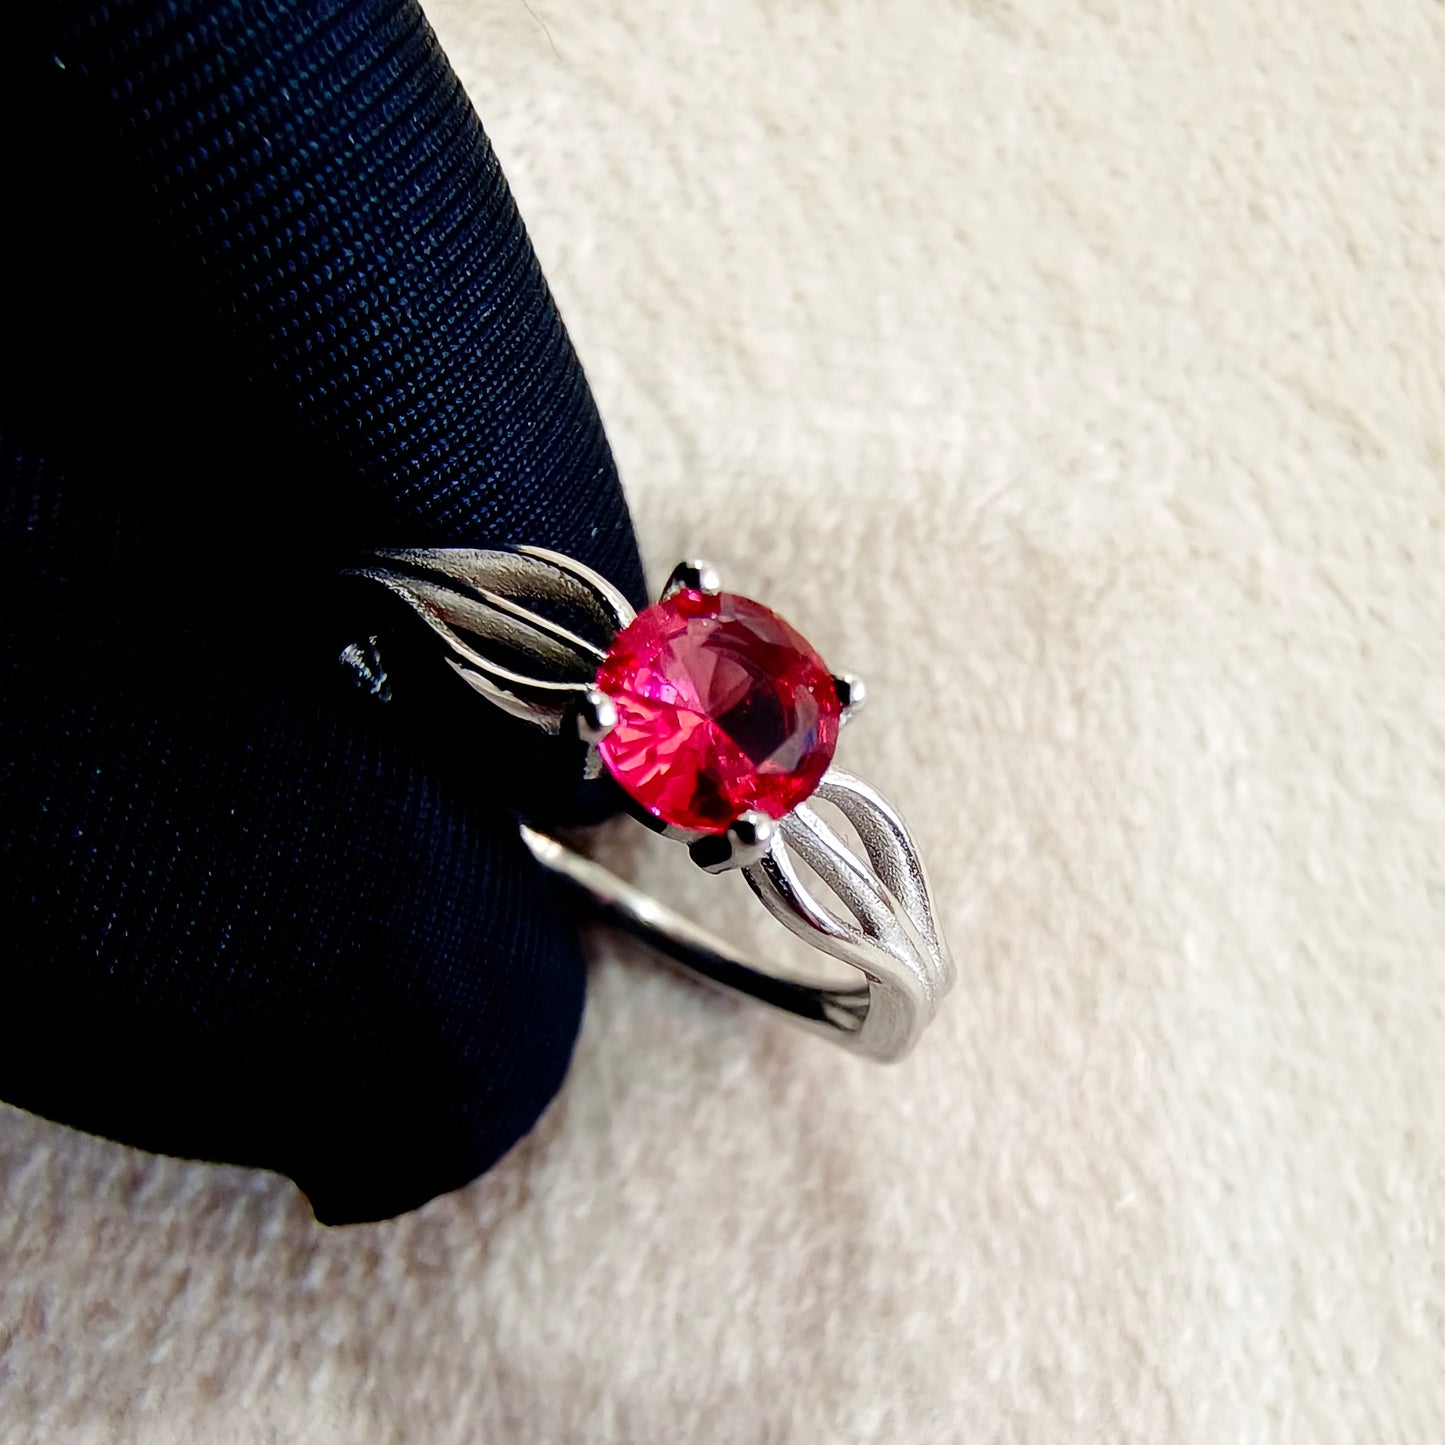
<point x="719" y="724"/>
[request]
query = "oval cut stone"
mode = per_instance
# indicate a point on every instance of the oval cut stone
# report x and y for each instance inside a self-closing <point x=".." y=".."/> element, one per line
<point x="721" y="707"/>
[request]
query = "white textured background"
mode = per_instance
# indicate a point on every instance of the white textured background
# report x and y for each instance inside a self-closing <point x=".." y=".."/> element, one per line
<point x="1074" y="372"/>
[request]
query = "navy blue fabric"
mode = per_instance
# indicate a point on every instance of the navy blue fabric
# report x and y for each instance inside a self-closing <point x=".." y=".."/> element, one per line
<point x="266" y="303"/>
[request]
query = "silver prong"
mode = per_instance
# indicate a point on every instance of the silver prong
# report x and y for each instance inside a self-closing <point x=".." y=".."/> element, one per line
<point x="851" y="694"/>
<point x="746" y="842"/>
<point x="694" y="575"/>
<point x="596" y="716"/>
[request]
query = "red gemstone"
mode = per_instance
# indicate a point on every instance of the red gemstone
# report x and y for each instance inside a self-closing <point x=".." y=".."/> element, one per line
<point x="721" y="707"/>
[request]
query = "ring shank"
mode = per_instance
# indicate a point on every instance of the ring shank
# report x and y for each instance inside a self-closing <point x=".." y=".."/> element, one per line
<point x="833" y="1010"/>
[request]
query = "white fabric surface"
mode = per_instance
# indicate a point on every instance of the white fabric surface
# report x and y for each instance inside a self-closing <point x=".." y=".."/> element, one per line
<point x="1074" y="373"/>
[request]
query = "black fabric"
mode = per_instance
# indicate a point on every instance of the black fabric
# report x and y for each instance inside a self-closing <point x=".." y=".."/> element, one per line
<point x="265" y="304"/>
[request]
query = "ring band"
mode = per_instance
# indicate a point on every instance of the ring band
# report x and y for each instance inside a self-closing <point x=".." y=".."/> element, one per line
<point x="719" y="723"/>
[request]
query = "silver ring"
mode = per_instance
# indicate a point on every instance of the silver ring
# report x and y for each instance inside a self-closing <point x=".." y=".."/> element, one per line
<point x="735" y="775"/>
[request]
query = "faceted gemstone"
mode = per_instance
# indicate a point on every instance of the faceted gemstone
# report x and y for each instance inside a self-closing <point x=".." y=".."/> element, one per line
<point x="721" y="707"/>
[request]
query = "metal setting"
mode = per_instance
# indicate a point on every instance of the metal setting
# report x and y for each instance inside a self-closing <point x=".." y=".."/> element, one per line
<point x="596" y="716"/>
<point x="851" y="693"/>
<point x="517" y="657"/>
<point x="495" y="614"/>
<point x="694" y="575"/>
<point x="747" y="841"/>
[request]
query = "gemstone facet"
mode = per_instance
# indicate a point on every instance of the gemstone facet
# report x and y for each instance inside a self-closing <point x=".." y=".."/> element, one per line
<point x="721" y="707"/>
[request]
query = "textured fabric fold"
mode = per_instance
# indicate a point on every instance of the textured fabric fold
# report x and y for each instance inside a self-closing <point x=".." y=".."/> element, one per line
<point x="269" y="303"/>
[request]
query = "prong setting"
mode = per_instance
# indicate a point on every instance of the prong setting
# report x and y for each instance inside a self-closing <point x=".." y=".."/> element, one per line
<point x="852" y="694"/>
<point x="596" y="716"/>
<point x="540" y="636"/>
<point x="746" y="842"/>
<point x="694" y="575"/>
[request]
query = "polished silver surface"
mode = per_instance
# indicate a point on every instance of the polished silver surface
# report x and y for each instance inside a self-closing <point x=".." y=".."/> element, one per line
<point x="858" y="894"/>
<point x="852" y="694"/>
<point x="596" y="715"/>
<point x="693" y="575"/>
<point x="746" y="842"/>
